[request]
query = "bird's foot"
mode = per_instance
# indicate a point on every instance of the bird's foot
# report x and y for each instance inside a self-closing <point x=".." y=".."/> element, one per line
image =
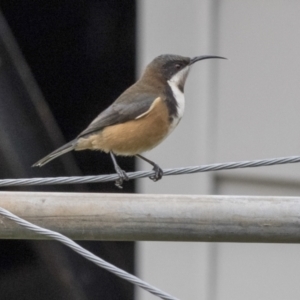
<point x="122" y="176"/>
<point x="158" y="173"/>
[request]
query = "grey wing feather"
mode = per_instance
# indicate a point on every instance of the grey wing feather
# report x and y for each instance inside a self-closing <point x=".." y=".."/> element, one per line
<point x="58" y="152"/>
<point x="131" y="104"/>
<point x="127" y="107"/>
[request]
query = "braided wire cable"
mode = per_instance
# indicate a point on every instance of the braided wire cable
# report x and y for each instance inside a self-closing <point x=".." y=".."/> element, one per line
<point x="142" y="174"/>
<point x="87" y="255"/>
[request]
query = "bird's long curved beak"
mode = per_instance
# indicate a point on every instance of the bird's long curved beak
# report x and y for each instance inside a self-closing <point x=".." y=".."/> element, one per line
<point x="197" y="58"/>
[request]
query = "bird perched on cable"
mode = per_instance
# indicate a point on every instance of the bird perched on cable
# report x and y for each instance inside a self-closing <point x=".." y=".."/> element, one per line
<point x="140" y="118"/>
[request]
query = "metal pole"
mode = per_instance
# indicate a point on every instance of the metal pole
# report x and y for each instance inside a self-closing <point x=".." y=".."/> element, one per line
<point x="131" y="217"/>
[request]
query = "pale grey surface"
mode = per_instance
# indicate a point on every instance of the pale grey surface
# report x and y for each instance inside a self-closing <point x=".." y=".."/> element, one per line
<point x="259" y="99"/>
<point x="173" y="26"/>
<point x="245" y="108"/>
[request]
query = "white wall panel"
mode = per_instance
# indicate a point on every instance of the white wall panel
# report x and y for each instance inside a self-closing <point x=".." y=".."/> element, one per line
<point x="183" y="28"/>
<point x="240" y="109"/>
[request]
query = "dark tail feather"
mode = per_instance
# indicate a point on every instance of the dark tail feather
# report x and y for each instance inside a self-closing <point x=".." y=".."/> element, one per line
<point x="58" y="152"/>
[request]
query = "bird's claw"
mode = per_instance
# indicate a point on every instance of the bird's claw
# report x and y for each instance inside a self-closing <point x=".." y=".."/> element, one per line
<point x="122" y="176"/>
<point x="158" y="173"/>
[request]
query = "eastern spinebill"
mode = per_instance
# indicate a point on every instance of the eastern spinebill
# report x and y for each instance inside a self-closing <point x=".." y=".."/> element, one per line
<point x="141" y="117"/>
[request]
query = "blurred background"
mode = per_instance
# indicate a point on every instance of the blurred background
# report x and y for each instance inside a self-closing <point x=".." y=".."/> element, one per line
<point x="61" y="63"/>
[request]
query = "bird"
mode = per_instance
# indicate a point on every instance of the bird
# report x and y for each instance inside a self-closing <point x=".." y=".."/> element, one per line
<point x="140" y="118"/>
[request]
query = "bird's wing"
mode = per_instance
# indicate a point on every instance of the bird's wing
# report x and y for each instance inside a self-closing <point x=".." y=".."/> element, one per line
<point x="128" y="106"/>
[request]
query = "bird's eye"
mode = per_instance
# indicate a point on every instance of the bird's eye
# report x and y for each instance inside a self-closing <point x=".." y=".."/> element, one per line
<point x="178" y="66"/>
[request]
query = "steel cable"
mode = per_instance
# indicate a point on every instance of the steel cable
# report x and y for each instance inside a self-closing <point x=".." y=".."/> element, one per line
<point x="142" y="174"/>
<point x="87" y="255"/>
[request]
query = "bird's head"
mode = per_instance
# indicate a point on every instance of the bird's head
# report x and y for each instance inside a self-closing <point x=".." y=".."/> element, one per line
<point x="173" y="68"/>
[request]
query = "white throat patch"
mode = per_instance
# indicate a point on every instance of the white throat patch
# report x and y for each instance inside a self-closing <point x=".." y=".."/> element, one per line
<point x="178" y="79"/>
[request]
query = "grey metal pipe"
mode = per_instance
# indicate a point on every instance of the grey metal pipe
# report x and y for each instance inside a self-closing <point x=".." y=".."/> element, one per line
<point x="133" y="217"/>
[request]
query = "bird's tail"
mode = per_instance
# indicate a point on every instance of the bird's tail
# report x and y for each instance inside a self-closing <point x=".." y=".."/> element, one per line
<point x="58" y="152"/>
